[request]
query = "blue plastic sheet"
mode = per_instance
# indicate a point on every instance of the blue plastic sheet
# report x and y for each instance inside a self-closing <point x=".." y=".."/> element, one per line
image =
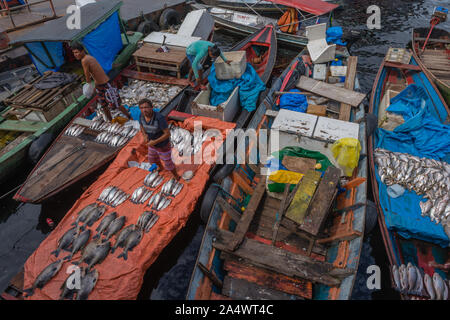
<point x="55" y="49"/>
<point x="422" y="135"/>
<point x="105" y="42"/>
<point x="294" y="102"/>
<point x="334" y="35"/>
<point x="250" y="85"/>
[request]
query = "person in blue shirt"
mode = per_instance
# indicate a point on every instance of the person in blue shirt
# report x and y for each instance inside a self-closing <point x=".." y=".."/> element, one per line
<point x="157" y="135"/>
<point x="195" y="53"/>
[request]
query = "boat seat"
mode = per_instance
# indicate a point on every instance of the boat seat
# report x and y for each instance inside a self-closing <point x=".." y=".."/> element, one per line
<point x="319" y="50"/>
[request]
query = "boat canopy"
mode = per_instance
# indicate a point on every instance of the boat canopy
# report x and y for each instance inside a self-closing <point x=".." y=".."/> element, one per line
<point x="316" y="7"/>
<point x="99" y="33"/>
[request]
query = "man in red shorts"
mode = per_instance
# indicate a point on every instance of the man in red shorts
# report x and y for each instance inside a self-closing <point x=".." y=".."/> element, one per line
<point x="157" y="135"/>
<point x="108" y="96"/>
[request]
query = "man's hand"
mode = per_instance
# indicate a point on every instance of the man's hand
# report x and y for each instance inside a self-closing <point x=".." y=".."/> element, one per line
<point x="151" y="143"/>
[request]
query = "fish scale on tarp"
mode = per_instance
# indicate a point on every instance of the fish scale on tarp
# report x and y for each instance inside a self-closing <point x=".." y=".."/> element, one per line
<point x="105" y="42"/>
<point x="122" y="279"/>
<point x="422" y="135"/>
<point x="250" y="85"/>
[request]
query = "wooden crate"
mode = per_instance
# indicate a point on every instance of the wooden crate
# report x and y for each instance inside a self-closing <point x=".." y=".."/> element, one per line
<point x="147" y="58"/>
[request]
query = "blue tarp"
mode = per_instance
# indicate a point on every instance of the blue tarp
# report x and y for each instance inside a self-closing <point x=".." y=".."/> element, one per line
<point x="55" y="49"/>
<point x="250" y="85"/>
<point x="294" y="102"/>
<point x="105" y="42"/>
<point x="334" y="35"/>
<point x="422" y="135"/>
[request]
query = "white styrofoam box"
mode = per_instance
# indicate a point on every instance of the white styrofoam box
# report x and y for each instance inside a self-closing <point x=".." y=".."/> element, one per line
<point x="318" y="48"/>
<point x="320" y="71"/>
<point x="332" y="129"/>
<point x="236" y="68"/>
<point x="295" y="122"/>
<point x="171" y="39"/>
<point x="226" y="111"/>
<point x="197" y="23"/>
<point x="338" y="71"/>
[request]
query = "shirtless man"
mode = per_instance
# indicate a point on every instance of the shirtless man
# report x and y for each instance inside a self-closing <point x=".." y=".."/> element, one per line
<point x="108" y="94"/>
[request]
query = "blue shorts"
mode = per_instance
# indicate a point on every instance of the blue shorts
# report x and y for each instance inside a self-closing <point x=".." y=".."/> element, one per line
<point x="191" y="59"/>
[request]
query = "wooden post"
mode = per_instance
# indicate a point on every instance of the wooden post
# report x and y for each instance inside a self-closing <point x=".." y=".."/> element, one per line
<point x="344" y="112"/>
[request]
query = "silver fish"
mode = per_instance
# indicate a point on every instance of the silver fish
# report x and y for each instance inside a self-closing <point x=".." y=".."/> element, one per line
<point x="403" y="277"/>
<point x="161" y="203"/>
<point x="104" y="193"/>
<point x="412" y="276"/>
<point x="429" y="286"/>
<point x="87" y="284"/>
<point x="145" y="197"/>
<point x="396" y="276"/>
<point x="45" y="276"/>
<point x="152" y="199"/>
<point x="419" y="282"/>
<point x="158" y="181"/>
<point x="156" y="200"/>
<point x="177" y="189"/>
<point x="438" y="285"/>
<point x="143" y="219"/>
<point x="151" y="222"/>
<point x="166" y="203"/>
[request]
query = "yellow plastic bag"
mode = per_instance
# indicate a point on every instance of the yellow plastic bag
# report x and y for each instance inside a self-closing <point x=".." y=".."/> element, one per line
<point x="285" y="176"/>
<point x="346" y="152"/>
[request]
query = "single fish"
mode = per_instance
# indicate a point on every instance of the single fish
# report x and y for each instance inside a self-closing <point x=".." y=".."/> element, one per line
<point x="143" y="219"/>
<point x="151" y="222"/>
<point x="412" y="276"/>
<point x="166" y="203"/>
<point x="104" y="193"/>
<point x="429" y="286"/>
<point x="66" y="292"/>
<point x="161" y="203"/>
<point x="85" y="213"/>
<point x="152" y="199"/>
<point x="88" y="252"/>
<point x="44" y="277"/>
<point x="88" y="282"/>
<point x="123" y="235"/>
<point x="403" y="277"/>
<point x="438" y="285"/>
<point x="65" y="241"/>
<point x="146" y="196"/>
<point x="133" y="239"/>
<point x="396" y="276"/>
<point x="104" y="224"/>
<point x="95" y="215"/>
<point x="115" y="226"/>
<point x="99" y="254"/>
<point x="79" y="243"/>
<point x="419" y="282"/>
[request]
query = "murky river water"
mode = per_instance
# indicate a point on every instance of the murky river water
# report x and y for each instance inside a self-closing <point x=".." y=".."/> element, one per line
<point x="23" y="227"/>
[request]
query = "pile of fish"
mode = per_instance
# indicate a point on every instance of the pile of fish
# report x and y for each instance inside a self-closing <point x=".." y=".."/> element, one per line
<point x="147" y="220"/>
<point x="409" y="280"/>
<point x="153" y="179"/>
<point x="74" y="130"/>
<point x="113" y="196"/>
<point x="140" y="195"/>
<point x="159" y="93"/>
<point x="89" y="215"/>
<point x="172" y="188"/>
<point x="186" y="142"/>
<point x="111" y="139"/>
<point x="427" y="177"/>
<point x="159" y="202"/>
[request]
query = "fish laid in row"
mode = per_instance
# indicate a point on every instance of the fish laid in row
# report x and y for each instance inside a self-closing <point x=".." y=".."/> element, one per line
<point x="147" y="220"/>
<point x="158" y="202"/>
<point x="141" y="195"/>
<point x="74" y="130"/>
<point x="172" y="188"/>
<point x="113" y="196"/>
<point x="89" y="214"/>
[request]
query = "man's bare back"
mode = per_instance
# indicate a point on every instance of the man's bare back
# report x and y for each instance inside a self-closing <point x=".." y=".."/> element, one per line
<point x="93" y="70"/>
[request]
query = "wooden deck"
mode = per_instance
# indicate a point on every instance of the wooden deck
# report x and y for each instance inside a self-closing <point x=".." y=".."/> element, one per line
<point x="438" y="62"/>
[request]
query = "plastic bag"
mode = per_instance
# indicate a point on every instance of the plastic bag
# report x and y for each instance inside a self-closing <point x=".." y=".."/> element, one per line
<point x="88" y="90"/>
<point x="346" y="152"/>
<point x="304" y="153"/>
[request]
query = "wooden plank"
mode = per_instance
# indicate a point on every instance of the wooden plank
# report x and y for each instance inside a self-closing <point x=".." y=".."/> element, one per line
<point x="280" y="212"/>
<point x="278" y="260"/>
<point x="248" y="214"/>
<point x="148" y="52"/>
<point x="243" y="290"/>
<point x="322" y="201"/>
<point x="237" y="178"/>
<point x="330" y="91"/>
<point x="24" y="126"/>
<point x="433" y="40"/>
<point x="402" y="66"/>
<point x="306" y="187"/>
<point x="270" y="279"/>
<point x="232" y="213"/>
<point x="298" y="164"/>
<point x="345" y="109"/>
<point x="210" y="275"/>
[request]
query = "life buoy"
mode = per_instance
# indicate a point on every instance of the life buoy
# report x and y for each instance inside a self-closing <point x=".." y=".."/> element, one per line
<point x="169" y="17"/>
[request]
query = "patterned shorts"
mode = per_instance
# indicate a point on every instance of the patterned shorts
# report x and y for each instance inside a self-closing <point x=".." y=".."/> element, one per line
<point x="108" y="95"/>
<point x="164" y="154"/>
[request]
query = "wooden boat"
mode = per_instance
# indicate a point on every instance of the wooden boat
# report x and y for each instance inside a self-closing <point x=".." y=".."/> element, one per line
<point x="259" y="254"/>
<point x="20" y="134"/>
<point x="435" y="59"/>
<point x="60" y="167"/>
<point x="246" y="5"/>
<point x="245" y="23"/>
<point x="404" y="243"/>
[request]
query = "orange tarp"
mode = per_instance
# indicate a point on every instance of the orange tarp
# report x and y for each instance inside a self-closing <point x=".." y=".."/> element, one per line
<point x="120" y="279"/>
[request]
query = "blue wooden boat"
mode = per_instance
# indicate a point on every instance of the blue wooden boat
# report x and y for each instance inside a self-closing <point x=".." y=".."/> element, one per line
<point x="325" y="268"/>
<point x="410" y="237"/>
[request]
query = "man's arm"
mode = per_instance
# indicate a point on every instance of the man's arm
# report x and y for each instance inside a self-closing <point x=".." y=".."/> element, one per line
<point x="194" y="66"/>
<point x="87" y="73"/>
<point x="165" y="136"/>
<point x="144" y="133"/>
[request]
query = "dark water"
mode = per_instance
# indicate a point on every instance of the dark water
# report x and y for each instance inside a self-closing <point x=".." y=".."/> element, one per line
<point x="23" y="227"/>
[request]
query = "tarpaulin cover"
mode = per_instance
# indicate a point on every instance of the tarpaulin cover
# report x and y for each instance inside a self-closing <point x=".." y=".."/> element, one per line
<point x="55" y="49"/>
<point x="334" y="35"/>
<point x="317" y="7"/>
<point x="420" y="135"/>
<point x="56" y="79"/>
<point x="120" y="279"/>
<point x="250" y="85"/>
<point x="294" y="102"/>
<point x="105" y="42"/>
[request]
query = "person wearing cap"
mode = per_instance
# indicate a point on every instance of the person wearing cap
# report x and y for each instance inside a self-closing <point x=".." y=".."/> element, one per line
<point x="157" y="136"/>
<point x="196" y="52"/>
